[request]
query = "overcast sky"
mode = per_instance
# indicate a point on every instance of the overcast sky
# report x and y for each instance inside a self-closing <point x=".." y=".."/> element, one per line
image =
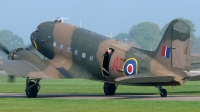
<point x="101" y="16"/>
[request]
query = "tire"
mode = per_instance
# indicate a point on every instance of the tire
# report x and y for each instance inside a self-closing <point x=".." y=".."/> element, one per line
<point x="163" y="93"/>
<point x="109" y="89"/>
<point x="32" y="92"/>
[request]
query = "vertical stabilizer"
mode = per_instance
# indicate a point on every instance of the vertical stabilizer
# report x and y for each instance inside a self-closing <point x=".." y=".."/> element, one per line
<point x="174" y="48"/>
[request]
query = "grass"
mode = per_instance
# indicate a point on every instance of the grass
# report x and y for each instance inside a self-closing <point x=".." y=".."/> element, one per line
<point x="80" y="86"/>
<point x="59" y="105"/>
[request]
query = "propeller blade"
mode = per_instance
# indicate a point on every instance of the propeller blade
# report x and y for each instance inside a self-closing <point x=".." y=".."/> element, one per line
<point x="11" y="78"/>
<point x="30" y="47"/>
<point x="4" y="49"/>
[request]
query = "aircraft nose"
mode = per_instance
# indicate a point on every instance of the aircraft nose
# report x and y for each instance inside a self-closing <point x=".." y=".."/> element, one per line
<point x="42" y="39"/>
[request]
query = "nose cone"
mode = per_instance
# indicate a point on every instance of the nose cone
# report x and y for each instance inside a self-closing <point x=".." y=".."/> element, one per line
<point x="42" y="39"/>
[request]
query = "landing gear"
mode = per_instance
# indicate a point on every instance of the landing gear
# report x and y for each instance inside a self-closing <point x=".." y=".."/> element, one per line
<point x="163" y="92"/>
<point x="32" y="87"/>
<point x="109" y="89"/>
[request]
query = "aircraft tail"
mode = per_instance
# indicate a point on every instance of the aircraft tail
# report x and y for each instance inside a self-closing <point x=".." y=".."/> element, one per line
<point x="174" y="48"/>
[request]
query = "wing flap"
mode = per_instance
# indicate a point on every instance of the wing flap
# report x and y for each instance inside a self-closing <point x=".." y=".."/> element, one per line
<point x="144" y="79"/>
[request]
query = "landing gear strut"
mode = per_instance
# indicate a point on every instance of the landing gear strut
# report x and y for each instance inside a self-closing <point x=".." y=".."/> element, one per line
<point x="163" y="92"/>
<point x="32" y="87"/>
<point x="109" y="89"/>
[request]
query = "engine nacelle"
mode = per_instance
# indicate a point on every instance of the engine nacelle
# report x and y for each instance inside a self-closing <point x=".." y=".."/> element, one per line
<point x="13" y="54"/>
<point x="23" y="54"/>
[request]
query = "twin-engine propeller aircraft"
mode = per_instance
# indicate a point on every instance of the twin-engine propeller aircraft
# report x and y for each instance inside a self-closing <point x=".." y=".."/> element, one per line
<point x="75" y="52"/>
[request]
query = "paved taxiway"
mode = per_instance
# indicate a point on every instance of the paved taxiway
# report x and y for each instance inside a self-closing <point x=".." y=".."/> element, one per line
<point x="98" y="97"/>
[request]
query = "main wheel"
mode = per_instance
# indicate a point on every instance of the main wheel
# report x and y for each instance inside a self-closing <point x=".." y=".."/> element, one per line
<point x="31" y="92"/>
<point x="163" y="93"/>
<point x="109" y="89"/>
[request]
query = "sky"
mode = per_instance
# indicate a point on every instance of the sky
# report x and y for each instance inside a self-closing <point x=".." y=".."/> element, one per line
<point x="101" y="16"/>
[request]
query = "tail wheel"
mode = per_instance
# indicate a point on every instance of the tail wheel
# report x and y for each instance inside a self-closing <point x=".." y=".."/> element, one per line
<point x="163" y="93"/>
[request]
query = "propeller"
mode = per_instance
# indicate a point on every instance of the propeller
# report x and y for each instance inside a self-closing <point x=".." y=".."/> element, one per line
<point x="11" y="78"/>
<point x="30" y="47"/>
<point x="6" y="51"/>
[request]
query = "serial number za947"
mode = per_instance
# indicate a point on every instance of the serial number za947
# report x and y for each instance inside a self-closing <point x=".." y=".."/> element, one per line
<point x="143" y="68"/>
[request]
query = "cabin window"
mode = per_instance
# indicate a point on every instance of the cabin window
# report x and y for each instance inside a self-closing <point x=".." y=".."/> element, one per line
<point x="83" y="55"/>
<point x="69" y="49"/>
<point x="54" y="44"/>
<point x="91" y="58"/>
<point x="76" y="52"/>
<point x="61" y="46"/>
<point x="36" y="31"/>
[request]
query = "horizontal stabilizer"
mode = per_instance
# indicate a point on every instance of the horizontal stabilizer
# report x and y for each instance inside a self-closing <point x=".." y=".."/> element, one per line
<point x="193" y="75"/>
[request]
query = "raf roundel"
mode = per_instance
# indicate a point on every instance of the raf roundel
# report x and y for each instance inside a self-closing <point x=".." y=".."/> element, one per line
<point x="130" y="67"/>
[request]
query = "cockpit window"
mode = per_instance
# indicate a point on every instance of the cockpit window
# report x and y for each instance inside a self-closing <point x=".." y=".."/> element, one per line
<point x="36" y="31"/>
<point x="32" y="38"/>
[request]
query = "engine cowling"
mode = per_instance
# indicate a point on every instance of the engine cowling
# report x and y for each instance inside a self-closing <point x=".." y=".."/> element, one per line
<point x="13" y="54"/>
<point x="23" y="54"/>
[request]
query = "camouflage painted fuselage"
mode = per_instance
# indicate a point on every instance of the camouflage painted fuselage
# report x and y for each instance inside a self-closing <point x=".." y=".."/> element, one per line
<point x="79" y="53"/>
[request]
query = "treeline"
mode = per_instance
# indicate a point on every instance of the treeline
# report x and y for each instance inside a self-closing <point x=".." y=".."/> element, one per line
<point x="148" y="35"/>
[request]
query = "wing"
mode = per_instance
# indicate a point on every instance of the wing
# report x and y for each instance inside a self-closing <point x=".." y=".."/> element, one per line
<point x="144" y="78"/>
<point x="23" y="68"/>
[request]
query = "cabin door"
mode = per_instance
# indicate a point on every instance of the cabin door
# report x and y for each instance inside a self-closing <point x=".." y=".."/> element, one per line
<point x="106" y="62"/>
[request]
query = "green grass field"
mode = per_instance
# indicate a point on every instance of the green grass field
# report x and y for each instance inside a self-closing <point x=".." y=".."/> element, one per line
<point x="60" y="105"/>
<point x="80" y="86"/>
